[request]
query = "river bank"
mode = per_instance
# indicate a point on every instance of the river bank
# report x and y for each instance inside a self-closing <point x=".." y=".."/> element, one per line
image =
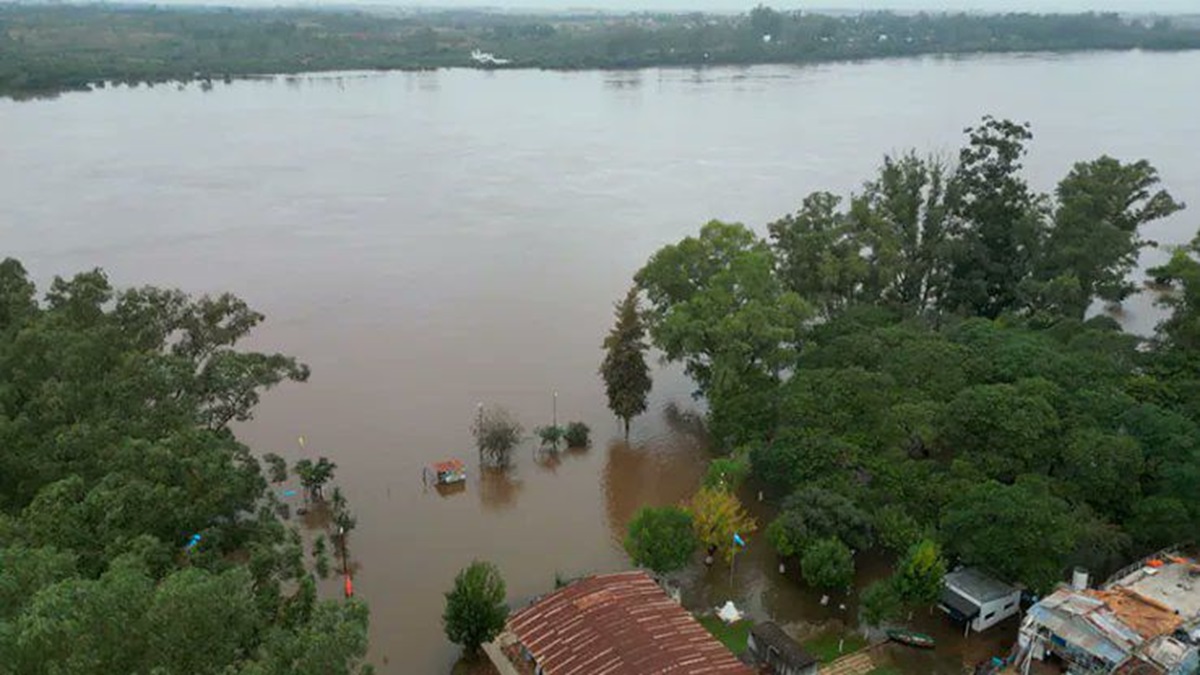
<point x="50" y="49"/>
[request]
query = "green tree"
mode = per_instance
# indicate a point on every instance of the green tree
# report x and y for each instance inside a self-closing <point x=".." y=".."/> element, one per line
<point x="277" y="467"/>
<point x="725" y="473"/>
<point x="626" y="375"/>
<point x="1095" y="237"/>
<point x="813" y="513"/>
<point x="577" y="435"/>
<point x="827" y="564"/>
<point x="1002" y="429"/>
<point x="475" y="607"/>
<point x="661" y="539"/>
<point x="919" y="574"/>
<point x="1021" y="531"/>
<point x="997" y="224"/>
<point x="314" y="476"/>
<point x="880" y="602"/>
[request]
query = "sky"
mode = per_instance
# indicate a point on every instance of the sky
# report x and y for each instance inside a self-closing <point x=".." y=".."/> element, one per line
<point x="1137" y="6"/>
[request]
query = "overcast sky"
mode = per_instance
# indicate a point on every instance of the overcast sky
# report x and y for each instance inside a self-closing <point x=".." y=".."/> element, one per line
<point x="1139" y="6"/>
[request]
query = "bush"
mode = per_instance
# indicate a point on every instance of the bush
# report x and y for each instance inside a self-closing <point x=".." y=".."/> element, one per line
<point x="577" y="435"/>
<point x="550" y="435"/>
<point x="661" y="539"/>
<point x="496" y="432"/>
<point x="880" y="602"/>
<point x="725" y="473"/>
<point x="828" y="564"/>
<point x="475" y="607"/>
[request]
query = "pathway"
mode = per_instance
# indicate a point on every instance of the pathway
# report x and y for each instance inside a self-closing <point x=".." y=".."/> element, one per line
<point x="858" y="663"/>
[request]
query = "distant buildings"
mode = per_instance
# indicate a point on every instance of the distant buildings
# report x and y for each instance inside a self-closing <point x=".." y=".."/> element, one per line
<point x="616" y="624"/>
<point x="1144" y="621"/>
<point x="977" y="600"/>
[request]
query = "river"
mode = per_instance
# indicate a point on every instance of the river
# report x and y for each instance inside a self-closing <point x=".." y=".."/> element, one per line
<point x="427" y="241"/>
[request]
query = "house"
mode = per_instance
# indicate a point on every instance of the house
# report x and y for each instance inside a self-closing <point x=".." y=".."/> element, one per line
<point x="977" y="600"/>
<point x="615" y="624"/>
<point x="778" y="652"/>
<point x="1143" y="621"/>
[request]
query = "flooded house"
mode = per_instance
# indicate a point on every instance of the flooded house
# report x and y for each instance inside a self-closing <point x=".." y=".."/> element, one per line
<point x="1143" y="621"/>
<point x="977" y="600"/>
<point x="616" y="624"/>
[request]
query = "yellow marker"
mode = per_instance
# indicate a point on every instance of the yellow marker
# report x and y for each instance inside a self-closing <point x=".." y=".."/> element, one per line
<point x="301" y="439"/>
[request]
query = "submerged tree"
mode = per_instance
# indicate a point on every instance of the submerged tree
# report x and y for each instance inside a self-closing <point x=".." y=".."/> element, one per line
<point x="626" y="375"/>
<point x="314" y="476"/>
<point x="828" y="564"/>
<point x="496" y="433"/>
<point x="475" y="607"/>
<point x="277" y="466"/>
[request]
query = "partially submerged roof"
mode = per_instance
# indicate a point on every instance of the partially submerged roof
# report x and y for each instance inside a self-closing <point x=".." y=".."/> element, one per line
<point x="770" y="634"/>
<point x="977" y="585"/>
<point x="1086" y="623"/>
<point x="448" y="466"/>
<point x="619" y="624"/>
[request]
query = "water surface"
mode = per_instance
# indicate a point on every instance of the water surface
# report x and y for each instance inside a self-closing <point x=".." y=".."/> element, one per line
<point x="427" y="241"/>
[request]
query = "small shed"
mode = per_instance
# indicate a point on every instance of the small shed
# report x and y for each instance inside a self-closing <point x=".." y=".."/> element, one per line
<point x="447" y="473"/>
<point x="978" y="600"/>
<point x="775" y="649"/>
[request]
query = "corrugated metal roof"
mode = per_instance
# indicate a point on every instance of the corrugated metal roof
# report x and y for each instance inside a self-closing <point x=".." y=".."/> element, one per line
<point x="975" y="583"/>
<point x="619" y="624"/>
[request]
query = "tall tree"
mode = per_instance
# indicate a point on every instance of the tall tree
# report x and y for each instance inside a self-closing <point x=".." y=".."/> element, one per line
<point x="1094" y="239"/>
<point x="919" y="574"/>
<point x="475" y="607"/>
<point x="997" y="223"/>
<point x="827" y="564"/>
<point x="626" y="375"/>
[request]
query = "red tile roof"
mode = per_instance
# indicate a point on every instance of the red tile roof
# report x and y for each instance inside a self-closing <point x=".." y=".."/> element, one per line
<point x="449" y="466"/>
<point x="619" y="624"/>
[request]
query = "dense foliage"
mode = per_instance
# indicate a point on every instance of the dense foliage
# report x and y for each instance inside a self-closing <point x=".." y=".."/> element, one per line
<point x="661" y="539"/>
<point x="475" y="608"/>
<point x="136" y="534"/>
<point x="50" y="48"/>
<point x="917" y="362"/>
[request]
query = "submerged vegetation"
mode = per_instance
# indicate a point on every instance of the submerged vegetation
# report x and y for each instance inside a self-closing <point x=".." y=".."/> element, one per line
<point x="915" y="368"/>
<point x="137" y="534"/>
<point x="52" y="48"/>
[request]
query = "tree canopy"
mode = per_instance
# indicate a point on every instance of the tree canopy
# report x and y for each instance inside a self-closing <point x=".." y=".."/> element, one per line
<point x="922" y="363"/>
<point x="475" y="607"/>
<point x="661" y="539"/>
<point x="136" y="533"/>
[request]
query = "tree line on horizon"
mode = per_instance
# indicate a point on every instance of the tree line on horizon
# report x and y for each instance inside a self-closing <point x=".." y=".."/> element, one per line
<point x="46" y="49"/>
<point x="918" y="368"/>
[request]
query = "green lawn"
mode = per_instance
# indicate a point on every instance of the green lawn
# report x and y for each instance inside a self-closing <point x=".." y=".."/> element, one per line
<point x="886" y="670"/>
<point x="733" y="636"/>
<point x="825" y="645"/>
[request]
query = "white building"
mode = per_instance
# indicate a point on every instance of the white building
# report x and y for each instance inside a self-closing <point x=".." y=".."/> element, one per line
<point x="977" y="600"/>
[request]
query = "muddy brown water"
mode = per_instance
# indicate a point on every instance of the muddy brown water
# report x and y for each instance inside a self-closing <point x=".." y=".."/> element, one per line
<point x="428" y="241"/>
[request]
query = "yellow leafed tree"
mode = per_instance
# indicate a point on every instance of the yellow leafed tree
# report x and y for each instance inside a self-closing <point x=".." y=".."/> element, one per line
<point x="717" y="515"/>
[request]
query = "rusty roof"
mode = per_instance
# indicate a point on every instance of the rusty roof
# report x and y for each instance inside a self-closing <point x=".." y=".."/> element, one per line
<point x="448" y="466"/>
<point x="619" y="624"/>
<point x="1144" y="615"/>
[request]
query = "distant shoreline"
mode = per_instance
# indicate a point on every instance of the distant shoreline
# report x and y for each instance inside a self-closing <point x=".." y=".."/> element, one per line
<point x="50" y="49"/>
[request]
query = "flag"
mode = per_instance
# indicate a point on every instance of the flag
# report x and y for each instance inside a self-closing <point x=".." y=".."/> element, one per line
<point x="192" y="542"/>
<point x="737" y="539"/>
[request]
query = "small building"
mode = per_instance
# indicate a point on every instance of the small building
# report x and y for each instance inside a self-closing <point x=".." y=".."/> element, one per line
<point x="977" y="600"/>
<point x="615" y="624"/>
<point x="776" y="651"/>
<point x="446" y="473"/>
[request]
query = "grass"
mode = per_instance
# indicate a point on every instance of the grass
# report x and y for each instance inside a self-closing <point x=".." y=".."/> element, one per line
<point x="733" y="636"/>
<point x="825" y="645"/>
<point x="886" y="670"/>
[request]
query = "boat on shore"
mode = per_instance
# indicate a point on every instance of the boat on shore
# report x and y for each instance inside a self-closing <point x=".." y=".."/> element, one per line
<point x="911" y="638"/>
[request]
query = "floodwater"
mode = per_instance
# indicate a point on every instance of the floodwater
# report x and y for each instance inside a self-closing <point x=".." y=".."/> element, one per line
<point x="428" y="241"/>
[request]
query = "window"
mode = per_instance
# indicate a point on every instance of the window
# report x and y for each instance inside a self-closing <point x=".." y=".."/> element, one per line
<point x="1008" y="606"/>
<point x="989" y="616"/>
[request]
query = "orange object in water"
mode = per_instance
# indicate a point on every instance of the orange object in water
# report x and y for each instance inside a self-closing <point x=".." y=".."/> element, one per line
<point x="1155" y="563"/>
<point x="349" y="586"/>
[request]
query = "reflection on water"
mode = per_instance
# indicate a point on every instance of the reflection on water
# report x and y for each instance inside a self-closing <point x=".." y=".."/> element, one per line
<point x="498" y="488"/>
